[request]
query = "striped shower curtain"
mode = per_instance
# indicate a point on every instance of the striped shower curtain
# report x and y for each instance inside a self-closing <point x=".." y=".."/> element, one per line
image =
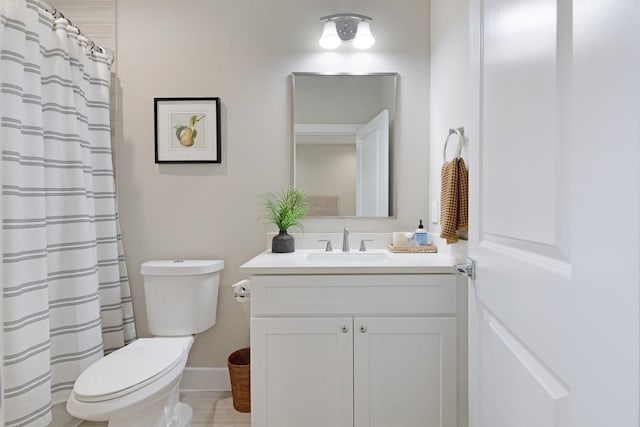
<point x="65" y="290"/>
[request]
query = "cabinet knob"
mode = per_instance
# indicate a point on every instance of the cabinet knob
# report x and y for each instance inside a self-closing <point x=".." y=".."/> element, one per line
<point x="345" y="329"/>
<point x="363" y="329"/>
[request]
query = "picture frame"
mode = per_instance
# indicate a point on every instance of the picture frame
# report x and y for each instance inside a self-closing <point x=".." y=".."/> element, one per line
<point x="187" y="130"/>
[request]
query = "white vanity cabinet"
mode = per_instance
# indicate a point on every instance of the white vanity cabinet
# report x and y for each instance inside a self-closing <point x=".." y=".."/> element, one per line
<point x="353" y="350"/>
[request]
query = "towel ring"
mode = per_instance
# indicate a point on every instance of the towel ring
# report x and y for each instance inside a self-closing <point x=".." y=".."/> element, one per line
<point x="460" y="132"/>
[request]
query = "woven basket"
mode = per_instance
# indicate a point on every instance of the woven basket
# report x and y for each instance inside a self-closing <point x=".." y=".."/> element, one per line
<point x="240" y="375"/>
<point x="429" y="249"/>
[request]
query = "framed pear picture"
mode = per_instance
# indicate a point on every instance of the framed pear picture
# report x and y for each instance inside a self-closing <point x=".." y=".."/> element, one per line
<point x="187" y="130"/>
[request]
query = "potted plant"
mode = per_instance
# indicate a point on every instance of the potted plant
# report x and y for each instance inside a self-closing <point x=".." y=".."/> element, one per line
<point x="285" y="210"/>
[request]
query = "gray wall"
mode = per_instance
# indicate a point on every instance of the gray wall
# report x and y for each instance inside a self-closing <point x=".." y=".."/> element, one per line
<point x="243" y="51"/>
<point x="328" y="170"/>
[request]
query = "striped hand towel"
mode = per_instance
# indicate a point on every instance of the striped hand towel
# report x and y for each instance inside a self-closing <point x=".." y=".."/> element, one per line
<point x="454" y="199"/>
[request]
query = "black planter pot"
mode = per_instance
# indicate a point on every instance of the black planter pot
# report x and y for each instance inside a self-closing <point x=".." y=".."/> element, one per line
<point x="282" y="243"/>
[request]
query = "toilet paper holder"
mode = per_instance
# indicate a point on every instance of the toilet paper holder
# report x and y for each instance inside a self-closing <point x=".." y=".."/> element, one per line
<point x="242" y="289"/>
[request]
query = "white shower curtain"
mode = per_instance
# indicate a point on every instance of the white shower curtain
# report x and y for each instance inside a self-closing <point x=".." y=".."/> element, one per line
<point x="66" y="296"/>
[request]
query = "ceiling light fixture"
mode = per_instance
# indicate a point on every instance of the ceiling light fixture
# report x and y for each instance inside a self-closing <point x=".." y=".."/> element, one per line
<point x="341" y="27"/>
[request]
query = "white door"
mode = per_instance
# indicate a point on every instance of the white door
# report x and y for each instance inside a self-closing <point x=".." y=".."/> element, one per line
<point x="301" y="372"/>
<point x="372" y="167"/>
<point x="404" y="372"/>
<point x="554" y="213"/>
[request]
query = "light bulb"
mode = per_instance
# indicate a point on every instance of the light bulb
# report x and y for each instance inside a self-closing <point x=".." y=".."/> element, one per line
<point x="329" y="38"/>
<point x="363" y="39"/>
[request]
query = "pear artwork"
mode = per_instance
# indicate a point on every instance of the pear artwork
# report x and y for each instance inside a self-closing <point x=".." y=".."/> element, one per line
<point x="187" y="134"/>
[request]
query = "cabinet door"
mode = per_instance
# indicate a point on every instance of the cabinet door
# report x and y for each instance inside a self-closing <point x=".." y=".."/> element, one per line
<point x="404" y="372"/>
<point x="309" y="380"/>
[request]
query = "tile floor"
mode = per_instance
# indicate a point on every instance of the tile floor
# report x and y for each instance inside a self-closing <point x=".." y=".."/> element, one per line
<point x="211" y="409"/>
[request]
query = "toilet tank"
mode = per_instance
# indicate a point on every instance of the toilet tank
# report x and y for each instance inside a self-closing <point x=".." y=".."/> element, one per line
<point x="181" y="295"/>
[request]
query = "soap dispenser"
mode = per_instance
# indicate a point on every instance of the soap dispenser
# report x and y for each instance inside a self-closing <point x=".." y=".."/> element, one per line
<point x="420" y="235"/>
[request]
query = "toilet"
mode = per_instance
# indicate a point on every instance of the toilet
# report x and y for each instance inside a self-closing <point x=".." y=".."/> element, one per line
<point x="138" y="384"/>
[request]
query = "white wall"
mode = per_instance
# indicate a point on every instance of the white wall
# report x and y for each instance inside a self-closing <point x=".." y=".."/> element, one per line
<point x="449" y="89"/>
<point x="244" y="51"/>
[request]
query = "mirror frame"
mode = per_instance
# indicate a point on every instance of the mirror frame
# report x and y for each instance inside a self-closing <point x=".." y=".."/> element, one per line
<point x="392" y="140"/>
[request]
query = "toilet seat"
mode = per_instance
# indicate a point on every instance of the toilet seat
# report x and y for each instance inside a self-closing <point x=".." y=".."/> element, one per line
<point x="130" y="368"/>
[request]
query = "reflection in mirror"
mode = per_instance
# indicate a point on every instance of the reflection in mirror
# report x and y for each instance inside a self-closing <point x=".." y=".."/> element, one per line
<point x="343" y="138"/>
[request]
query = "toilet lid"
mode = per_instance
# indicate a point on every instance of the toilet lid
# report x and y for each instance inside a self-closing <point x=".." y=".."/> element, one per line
<point x="129" y="368"/>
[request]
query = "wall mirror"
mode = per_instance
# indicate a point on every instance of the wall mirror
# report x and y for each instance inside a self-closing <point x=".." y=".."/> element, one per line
<point x="343" y="135"/>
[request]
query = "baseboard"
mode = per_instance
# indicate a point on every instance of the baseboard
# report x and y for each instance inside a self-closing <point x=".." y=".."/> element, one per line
<point x="205" y="379"/>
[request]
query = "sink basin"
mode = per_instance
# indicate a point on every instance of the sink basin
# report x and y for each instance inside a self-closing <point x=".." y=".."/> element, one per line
<point x="348" y="258"/>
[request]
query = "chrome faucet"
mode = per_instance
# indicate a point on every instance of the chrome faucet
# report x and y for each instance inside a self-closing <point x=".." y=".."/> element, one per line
<point x="345" y="240"/>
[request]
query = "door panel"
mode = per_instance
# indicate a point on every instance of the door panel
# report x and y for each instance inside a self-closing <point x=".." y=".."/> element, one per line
<point x="519" y="118"/>
<point x="533" y="393"/>
<point x="523" y="268"/>
<point x="372" y="167"/>
<point x="553" y="320"/>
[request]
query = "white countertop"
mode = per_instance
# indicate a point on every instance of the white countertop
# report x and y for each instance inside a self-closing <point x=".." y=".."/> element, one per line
<point x="268" y="263"/>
